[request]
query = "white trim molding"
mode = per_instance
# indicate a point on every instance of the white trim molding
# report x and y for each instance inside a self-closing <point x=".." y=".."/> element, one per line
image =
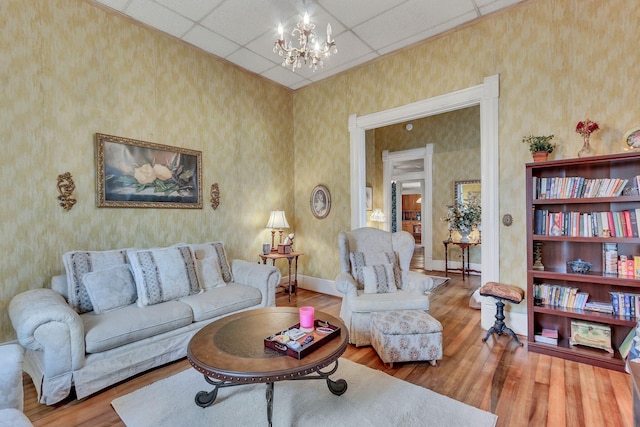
<point x="486" y="95"/>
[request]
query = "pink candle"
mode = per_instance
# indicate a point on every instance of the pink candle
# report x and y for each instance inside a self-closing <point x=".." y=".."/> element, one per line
<point x="306" y="317"/>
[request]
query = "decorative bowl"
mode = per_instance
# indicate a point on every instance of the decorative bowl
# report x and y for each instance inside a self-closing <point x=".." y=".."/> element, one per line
<point x="579" y="266"/>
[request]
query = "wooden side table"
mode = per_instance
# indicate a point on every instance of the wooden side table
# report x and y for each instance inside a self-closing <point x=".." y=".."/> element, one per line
<point x="464" y="247"/>
<point x="273" y="256"/>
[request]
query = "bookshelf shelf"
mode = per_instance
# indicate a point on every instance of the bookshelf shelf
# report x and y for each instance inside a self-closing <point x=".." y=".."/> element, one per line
<point x="558" y="249"/>
<point x="592" y="316"/>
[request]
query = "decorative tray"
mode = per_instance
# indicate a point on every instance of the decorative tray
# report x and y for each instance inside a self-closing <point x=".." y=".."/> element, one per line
<point x="283" y="341"/>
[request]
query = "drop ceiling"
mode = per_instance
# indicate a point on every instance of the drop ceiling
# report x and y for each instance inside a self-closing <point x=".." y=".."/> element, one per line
<point x="243" y="31"/>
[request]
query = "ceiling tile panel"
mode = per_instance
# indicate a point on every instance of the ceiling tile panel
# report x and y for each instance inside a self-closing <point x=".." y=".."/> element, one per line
<point x="192" y="9"/>
<point x="250" y="61"/>
<point x="158" y="16"/>
<point x="210" y="41"/>
<point x="355" y="12"/>
<point x="242" y="21"/>
<point x="410" y="18"/>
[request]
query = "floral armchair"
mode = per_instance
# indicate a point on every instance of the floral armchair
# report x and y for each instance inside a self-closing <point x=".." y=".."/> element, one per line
<point x="375" y="277"/>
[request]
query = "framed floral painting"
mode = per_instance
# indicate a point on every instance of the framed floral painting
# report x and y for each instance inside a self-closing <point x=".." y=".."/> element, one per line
<point x="139" y="174"/>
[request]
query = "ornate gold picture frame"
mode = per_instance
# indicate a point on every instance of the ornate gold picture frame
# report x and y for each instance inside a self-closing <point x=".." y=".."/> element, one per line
<point x="140" y="174"/>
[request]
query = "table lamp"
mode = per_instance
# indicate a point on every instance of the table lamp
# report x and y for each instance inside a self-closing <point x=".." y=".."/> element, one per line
<point x="277" y="220"/>
<point x="378" y="216"/>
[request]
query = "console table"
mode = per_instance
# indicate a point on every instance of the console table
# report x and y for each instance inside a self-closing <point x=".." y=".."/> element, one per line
<point x="464" y="247"/>
<point x="273" y="256"/>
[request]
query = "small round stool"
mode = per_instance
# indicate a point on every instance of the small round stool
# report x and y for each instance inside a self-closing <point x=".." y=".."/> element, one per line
<point x="501" y="292"/>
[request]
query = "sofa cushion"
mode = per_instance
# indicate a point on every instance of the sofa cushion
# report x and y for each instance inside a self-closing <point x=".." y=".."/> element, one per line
<point x="379" y="279"/>
<point x="132" y="323"/>
<point x="163" y="274"/>
<point x="110" y="288"/>
<point x="361" y="259"/>
<point x="209" y="273"/>
<point x="214" y="249"/>
<point x="79" y="263"/>
<point x="401" y="300"/>
<point x="220" y="301"/>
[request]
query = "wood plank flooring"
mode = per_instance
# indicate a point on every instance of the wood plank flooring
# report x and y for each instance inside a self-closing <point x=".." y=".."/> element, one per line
<point x="522" y="388"/>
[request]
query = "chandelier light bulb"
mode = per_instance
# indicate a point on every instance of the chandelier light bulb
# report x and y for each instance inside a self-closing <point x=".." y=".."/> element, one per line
<point x="309" y="49"/>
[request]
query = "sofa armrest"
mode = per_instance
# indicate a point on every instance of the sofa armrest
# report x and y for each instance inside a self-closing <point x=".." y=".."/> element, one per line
<point x="44" y="322"/>
<point x="11" y="391"/>
<point x="346" y="284"/>
<point x="262" y="277"/>
<point x="418" y="283"/>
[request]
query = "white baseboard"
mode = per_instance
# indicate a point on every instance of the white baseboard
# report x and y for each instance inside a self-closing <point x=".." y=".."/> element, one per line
<point x="324" y="286"/>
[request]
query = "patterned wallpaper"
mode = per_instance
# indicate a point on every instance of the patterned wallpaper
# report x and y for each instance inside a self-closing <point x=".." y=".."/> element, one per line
<point x="69" y="69"/>
<point x="559" y="61"/>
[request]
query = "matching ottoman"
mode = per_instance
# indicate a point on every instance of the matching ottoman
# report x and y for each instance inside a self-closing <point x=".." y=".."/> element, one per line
<point x="406" y="336"/>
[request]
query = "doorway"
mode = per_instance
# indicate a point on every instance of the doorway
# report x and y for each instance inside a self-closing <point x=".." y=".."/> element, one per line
<point x="412" y="173"/>
<point x="486" y="95"/>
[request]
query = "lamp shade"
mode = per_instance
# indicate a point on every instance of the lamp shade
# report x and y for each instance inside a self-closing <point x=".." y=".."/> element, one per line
<point x="277" y="219"/>
<point x="378" y="216"/>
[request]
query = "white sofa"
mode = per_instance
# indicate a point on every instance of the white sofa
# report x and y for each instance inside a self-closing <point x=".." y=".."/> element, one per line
<point x="11" y="391"/>
<point x="121" y="312"/>
<point x="370" y="247"/>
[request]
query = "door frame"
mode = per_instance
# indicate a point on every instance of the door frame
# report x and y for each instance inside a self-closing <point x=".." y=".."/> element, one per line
<point x="486" y="95"/>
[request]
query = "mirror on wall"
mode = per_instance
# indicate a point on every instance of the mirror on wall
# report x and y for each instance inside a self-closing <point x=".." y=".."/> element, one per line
<point x="465" y="191"/>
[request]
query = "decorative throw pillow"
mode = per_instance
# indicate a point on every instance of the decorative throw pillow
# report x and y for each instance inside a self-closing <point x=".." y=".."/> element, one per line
<point x="79" y="263"/>
<point x="214" y="249"/>
<point x="110" y="288"/>
<point x="164" y="274"/>
<point x="209" y="273"/>
<point x="379" y="279"/>
<point x="362" y="259"/>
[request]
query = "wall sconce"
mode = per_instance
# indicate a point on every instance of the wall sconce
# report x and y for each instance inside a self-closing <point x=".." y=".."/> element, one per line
<point x="277" y="220"/>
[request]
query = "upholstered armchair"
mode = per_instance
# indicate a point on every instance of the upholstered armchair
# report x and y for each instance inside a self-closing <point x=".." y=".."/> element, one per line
<point x="365" y="256"/>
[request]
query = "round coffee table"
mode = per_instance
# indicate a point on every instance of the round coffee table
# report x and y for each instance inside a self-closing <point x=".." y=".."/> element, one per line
<point x="231" y="352"/>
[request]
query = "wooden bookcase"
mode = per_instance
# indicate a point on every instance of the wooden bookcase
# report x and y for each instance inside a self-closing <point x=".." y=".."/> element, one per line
<point x="557" y="250"/>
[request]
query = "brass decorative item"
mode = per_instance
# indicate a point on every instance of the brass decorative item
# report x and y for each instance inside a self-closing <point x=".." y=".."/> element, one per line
<point x="65" y="188"/>
<point x="537" y="256"/>
<point x="215" y="196"/>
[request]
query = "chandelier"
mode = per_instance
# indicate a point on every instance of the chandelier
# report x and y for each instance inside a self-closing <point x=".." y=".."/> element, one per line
<point x="309" y="50"/>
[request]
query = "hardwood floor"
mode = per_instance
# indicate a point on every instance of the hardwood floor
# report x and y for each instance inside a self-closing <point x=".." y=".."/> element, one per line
<point x="522" y="388"/>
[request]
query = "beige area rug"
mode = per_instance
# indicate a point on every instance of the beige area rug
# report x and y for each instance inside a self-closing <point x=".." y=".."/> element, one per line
<point x="438" y="281"/>
<point x="373" y="398"/>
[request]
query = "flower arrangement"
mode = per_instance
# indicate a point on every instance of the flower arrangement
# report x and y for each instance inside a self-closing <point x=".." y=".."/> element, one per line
<point x="539" y="143"/>
<point x="586" y="128"/>
<point x="464" y="216"/>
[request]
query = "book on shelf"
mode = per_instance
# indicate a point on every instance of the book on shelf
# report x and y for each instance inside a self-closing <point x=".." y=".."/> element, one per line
<point x="547" y="336"/>
<point x="577" y="187"/>
<point x="610" y="258"/>
<point x="600" y="307"/>
<point x="586" y="224"/>
<point x="625" y="347"/>
<point x="625" y="304"/>
<point x="560" y="296"/>
<point x="545" y="340"/>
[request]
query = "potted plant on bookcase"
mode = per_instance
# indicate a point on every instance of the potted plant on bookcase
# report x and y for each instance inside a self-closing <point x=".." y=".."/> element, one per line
<point x="539" y="146"/>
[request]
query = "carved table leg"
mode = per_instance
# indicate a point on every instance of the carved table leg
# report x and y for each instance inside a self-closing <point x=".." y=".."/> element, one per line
<point x="269" y="402"/>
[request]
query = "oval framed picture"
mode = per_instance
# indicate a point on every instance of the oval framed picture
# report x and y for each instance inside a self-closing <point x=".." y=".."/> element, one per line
<point x="320" y="201"/>
<point x="631" y="140"/>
